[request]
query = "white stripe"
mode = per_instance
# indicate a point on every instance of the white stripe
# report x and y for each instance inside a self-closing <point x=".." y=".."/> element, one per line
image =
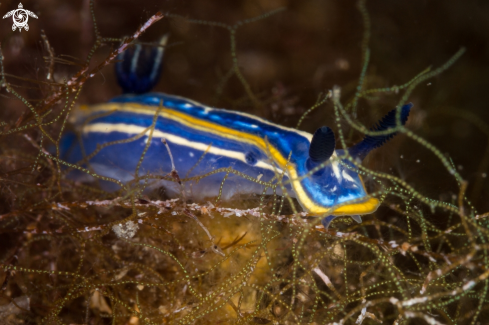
<point x="132" y="129"/>
<point x="159" y="57"/>
<point x="135" y="58"/>
<point x="336" y="170"/>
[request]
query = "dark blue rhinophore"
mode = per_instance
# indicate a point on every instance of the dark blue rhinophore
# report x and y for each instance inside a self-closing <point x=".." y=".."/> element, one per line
<point x="322" y="145"/>
<point x="321" y="148"/>
<point x="139" y="69"/>
<point x="361" y="149"/>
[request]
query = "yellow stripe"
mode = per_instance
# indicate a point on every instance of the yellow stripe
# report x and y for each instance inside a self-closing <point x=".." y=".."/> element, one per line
<point x="358" y="208"/>
<point x="224" y="132"/>
<point x="201" y="125"/>
<point x="228" y="133"/>
<point x="150" y="109"/>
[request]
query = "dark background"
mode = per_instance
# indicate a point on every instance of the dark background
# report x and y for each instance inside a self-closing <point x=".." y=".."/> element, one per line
<point x="288" y="59"/>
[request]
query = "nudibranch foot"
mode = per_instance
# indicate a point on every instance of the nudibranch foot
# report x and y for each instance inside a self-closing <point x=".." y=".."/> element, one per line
<point x="327" y="220"/>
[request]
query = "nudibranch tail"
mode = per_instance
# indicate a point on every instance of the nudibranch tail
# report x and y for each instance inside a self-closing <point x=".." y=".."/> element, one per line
<point x="361" y="149"/>
<point x="138" y="69"/>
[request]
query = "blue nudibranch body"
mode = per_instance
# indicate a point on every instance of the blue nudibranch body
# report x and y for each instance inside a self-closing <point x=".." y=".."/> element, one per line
<point x="204" y="139"/>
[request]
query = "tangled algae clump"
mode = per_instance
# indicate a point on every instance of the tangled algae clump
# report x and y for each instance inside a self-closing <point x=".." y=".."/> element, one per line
<point x="71" y="253"/>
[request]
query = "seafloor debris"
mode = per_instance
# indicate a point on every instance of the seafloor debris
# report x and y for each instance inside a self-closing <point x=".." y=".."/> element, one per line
<point x="125" y="230"/>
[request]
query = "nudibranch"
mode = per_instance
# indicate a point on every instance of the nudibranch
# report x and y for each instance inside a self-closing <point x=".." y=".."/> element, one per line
<point x="203" y="139"/>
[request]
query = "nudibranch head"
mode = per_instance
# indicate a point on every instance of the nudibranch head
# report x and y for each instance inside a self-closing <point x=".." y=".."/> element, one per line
<point x="337" y="188"/>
